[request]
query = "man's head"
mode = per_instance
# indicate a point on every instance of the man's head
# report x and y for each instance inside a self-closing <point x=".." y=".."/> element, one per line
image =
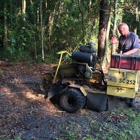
<point x="123" y="29"/>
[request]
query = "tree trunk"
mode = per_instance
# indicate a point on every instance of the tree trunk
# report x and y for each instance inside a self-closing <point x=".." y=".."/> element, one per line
<point x="23" y="6"/>
<point x="108" y="23"/>
<point x="50" y="22"/>
<point x="83" y="25"/>
<point x="5" y="39"/>
<point x="137" y="19"/>
<point x="107" y="51"/>
<point x="41" y="26"/>
<point x="102" y="29"/>
<point x="23" y="9"/>
<point x="115" y="17"/>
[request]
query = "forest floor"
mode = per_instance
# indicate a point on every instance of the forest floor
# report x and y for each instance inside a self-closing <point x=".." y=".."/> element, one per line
<point x="26" y="115"/>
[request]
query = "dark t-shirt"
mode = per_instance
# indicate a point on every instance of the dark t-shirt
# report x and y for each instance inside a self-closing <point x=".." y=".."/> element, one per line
<point x="128" y="43"/>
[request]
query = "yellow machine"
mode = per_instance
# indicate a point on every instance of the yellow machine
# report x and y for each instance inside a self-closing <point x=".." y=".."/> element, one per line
<point x="79" y="84"/>
<point x="123" y="82"/>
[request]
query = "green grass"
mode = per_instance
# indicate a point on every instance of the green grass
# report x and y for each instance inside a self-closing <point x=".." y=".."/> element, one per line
<point x="119" y="124"/>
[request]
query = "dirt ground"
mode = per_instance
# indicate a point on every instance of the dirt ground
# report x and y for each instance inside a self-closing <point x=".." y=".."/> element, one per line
<point x="25" y="113"/>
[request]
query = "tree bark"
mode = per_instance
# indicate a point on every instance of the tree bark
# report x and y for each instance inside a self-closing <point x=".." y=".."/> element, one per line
<point x="51" y="20"/>
<point x="5" y="39"/>
<point x="83" y="25"/>
<point x="115" y="17"/>
<point x="102" y="29"/>
<point x="42" y="33"/>
<point x="23" y="9"/>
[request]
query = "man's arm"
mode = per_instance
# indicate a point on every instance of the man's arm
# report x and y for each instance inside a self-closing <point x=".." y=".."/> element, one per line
<point x="131" y="51"/>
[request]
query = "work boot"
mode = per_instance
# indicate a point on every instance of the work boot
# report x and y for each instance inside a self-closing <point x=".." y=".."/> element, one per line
<point x="125" y="99"/>
<point x="132" y="102"/>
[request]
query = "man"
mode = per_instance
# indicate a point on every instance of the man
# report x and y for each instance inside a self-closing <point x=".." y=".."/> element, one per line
<point x="128" y="41"/>
<point x="128" y="45"/>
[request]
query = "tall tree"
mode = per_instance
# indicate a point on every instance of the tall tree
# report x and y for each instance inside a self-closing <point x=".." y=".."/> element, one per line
<point x="42" y="31"/>
<point x="115" y="16"/>
<point x="5" y="38"/>
<point x="23" y="10"/>
<point x="109" y="21"/>
<point x="102" y="28"/>
<point x="82" y="20"/>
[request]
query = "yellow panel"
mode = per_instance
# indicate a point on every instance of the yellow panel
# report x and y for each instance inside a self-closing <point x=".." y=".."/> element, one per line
<point x="123" y="78"/>
<point x="121" y="91"/>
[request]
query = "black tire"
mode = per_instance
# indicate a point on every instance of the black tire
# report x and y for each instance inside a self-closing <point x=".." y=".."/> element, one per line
<point x="72" y="100"/>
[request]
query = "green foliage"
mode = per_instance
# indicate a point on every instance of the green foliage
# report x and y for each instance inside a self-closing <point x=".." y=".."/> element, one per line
<point x="1" y="71"/>
<point x="69" y="29"/>
<point x="17" y="138"/>
<point x="73" y="24"/>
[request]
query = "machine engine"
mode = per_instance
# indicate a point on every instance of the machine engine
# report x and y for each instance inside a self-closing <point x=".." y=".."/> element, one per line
<point x="87" y="60"/>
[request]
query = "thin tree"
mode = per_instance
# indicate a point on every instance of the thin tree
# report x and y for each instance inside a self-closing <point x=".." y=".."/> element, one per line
<point x="82" y="20"/>
<point x="5" y="38"/>
<point x="42" y="42"/>
<point x="115" y="16"/>
<point x="23" y="10"/>
<point x="54" y="12"/>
